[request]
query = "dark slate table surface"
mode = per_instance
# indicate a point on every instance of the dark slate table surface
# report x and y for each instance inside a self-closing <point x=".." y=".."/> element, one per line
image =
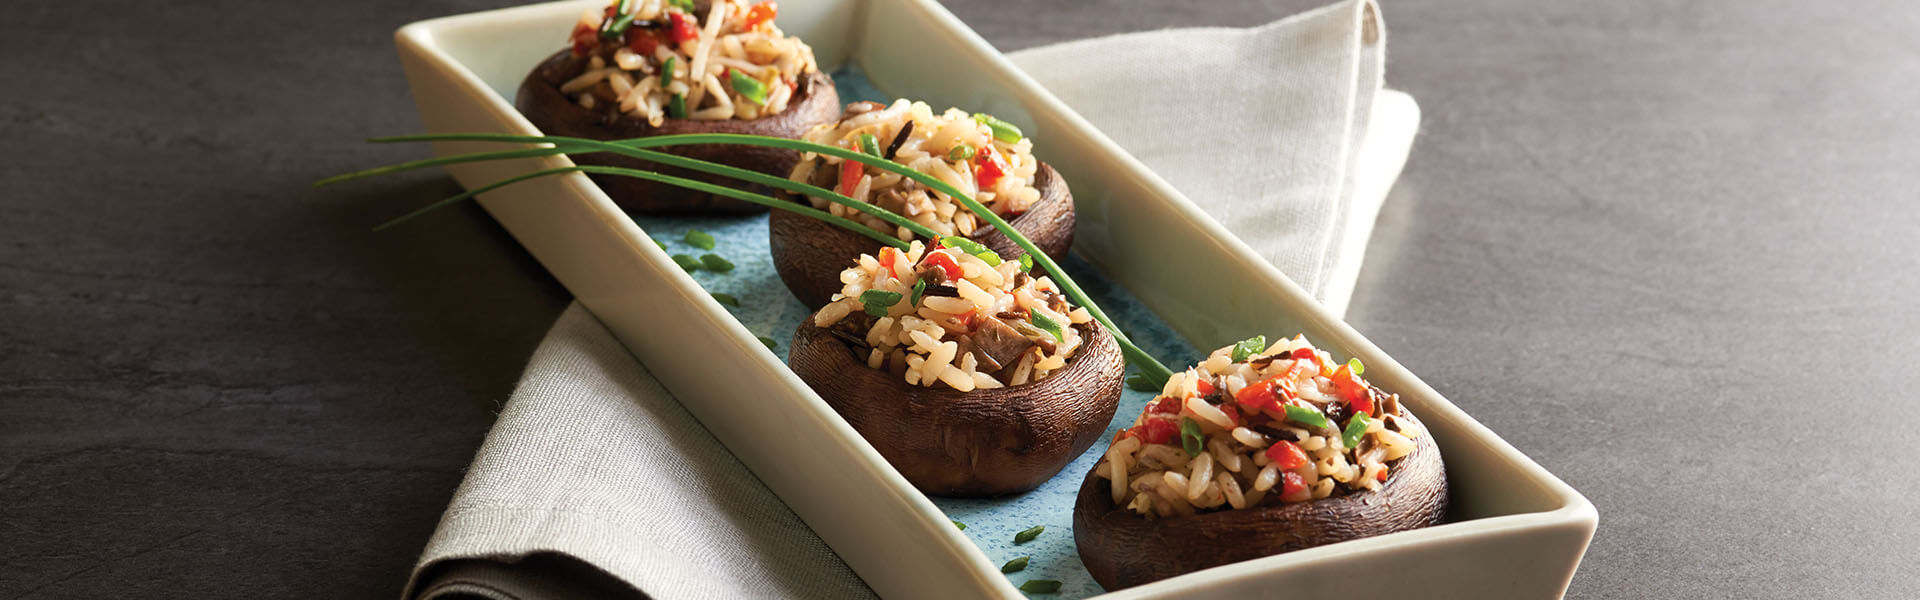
<point x="1668" y="249"/>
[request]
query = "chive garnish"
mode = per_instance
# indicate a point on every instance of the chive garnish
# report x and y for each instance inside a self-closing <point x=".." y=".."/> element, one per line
<point x="869" y="144"/>
<point x="1049" y="326"/>
<point x="1002" y="130"/>
<point x="623" y="18"/>
<point x="726" y="299"/>
<point x="1140" y="383"/>
<point x="766" y="340"/>
<point x="977" y="249"/>
<point x="1191" y="439"/>
<point x="1248" y="347"/>
<point x="919" y="289"/>
<point x="1040" y="586"/>
<point x="677" y="107"/>
<point x="666" y="72"/>
<point x="1306" y="416"/>
<point x="752" y="90"/>
<point x="1354" y="366"/>
<point x="689" y="263"/>
<point x="960" y="153"/>
<point x="962" y="526"/>
<point x="1028" y="535"/>
<point x="698" y="239"/>
<point x="1016" y="565"/>
<point x="878" y="301"/>
<point x="716" y="263"/>
<point x="1356" y="428"/>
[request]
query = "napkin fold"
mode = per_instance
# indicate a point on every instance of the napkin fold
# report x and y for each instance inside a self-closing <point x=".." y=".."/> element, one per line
<point x="593" y="471"/>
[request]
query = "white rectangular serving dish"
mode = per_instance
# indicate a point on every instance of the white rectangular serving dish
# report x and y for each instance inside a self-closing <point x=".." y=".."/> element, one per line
<point x="1517" y="531"/>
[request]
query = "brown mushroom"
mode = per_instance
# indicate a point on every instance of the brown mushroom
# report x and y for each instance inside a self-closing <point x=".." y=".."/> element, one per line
<point x="985" y="442"/>
<point x="809" y="254"/>
<point x="1123" y="549"/>
<point x="814" y="102"/>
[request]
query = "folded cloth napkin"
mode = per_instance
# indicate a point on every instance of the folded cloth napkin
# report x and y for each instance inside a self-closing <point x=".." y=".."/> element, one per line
<point x="594" y="471"/>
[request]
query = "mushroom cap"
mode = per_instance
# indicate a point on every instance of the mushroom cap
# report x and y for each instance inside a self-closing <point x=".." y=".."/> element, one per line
<point x="809" y="254"/>
<point x="1123" y="549"/>
<point x="815" y="101"/>
<point x="985" y="442"/>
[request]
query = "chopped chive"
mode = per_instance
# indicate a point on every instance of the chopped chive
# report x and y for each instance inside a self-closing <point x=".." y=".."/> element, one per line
<point x="1002" y="130"/>
<point x="666" y="70"/>
<point x="869" y="144"/>
<point x="766" y="340"/>
<point x="962" y="526"/>
<point x="1356" y="428"/>
<point x="960" y="153"/>
<point x="1140" y="382"/>
<point x="1026" y="262"/>
<point x="1248" y="347"/>
<point x="1191" y="439"/>
<point x="689" y="263"/>
<point x="878" y="301"/>
<point x="726" y="299"/>
<point x="1040" y="586"/>
<point x="977" y="249"/>
<point x="1015" y="565"/>
<point x="686" y="5"/>
<point x="716" y="263"/>
<point x="752" y="90"/>
<point x="919" y="289"/>
<point x="677" y="107"/>
<point x="698" y="239"/>
<point x="622" y="20"/>
<point x="1354" y="366"/>
<point x="1028" y="535"/>
<point x="1306" y="416"/>
<point x="1047" y="325"/>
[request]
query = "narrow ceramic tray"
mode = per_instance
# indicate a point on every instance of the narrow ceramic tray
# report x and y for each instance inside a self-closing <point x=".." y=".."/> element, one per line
<point x="1515" y="530"/>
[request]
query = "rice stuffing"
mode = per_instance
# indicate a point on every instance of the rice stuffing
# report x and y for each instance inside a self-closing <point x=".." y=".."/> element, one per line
<point x="677" y="59"/>
<point x="1249" y="428"/>
<point x="954" y="316"/>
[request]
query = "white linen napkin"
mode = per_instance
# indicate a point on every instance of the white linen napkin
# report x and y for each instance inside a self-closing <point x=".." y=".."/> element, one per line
<point x="593" y="464"/>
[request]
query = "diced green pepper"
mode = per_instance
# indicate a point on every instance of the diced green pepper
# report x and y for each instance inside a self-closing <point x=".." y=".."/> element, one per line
<point x="749" y="88"/>
<point x="1047" y="325"/>
<point x="1248" y="347"/>
<point x="1356" y="428"/>
<point x="878" y="301"/>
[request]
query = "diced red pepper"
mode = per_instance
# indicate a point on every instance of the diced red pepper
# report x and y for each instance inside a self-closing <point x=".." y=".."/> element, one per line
<point x="1353" y="390"/>
<point x="1167" y="406"/>
<point x="850" y="172"/>
<point x="584" y="37"/>
<point x="1158" y="431"/>
<point x="761" y="14"/>
<point x="1300" y="353"/>
<point x="1287" y="455"/>
<point x="1292" y="484"/>
<point x="986" y="167"/>
<point x="888" y="254"/>
<point x="947" y="266"/>
<point x="642" y="41"/>
<point x="1203" y="386"/>
<point x="1383" y="473"/>
<point x="1267" y="393"/>
<point x="680" y="28"/>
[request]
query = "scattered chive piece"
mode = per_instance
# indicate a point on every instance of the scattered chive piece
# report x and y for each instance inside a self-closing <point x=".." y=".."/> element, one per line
<point x="1028" y="535"/>
<point x="612" y="29"/>
<point x="869" y="144"/>
<point x="1190" y="436"/>
<point x="919" y="289"/>
<point x="1355" y="428"/>
<point x="1002" y="130"/>
<point x="677" y="107"/>
<point x="878" y="301"/>
<point x="1015" y="565"/>
<point x="962" y="526"/>
<point x="1249" y="347"/>
<point x="766" y="340"/>
<point x="663" y="245"/>
<point x="1026" y="262"/>
<point x="698" y="239"/>
<point x="716" y="263"/>
<point x="977" y="249"/>
<point x="726" y="299"/>
<point x="689" y="263"/>
<point x="960" y="153"/>
<point x="1040" y="586"/>
<point x="1047" y="325"/>
<point x="666" y="70"/>
<point x="751" y="89"/>
<point x="686" y="5"/>
<point x="1306" y="416"/>
<point x="1353" y="364"/>
<point x="1140" y="382"/>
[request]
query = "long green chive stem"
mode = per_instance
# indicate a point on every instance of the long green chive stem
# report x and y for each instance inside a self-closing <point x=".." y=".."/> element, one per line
<point x="763" y="200"/>
<point x="1147" y="364"/>
<point x="565" y="145"/>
